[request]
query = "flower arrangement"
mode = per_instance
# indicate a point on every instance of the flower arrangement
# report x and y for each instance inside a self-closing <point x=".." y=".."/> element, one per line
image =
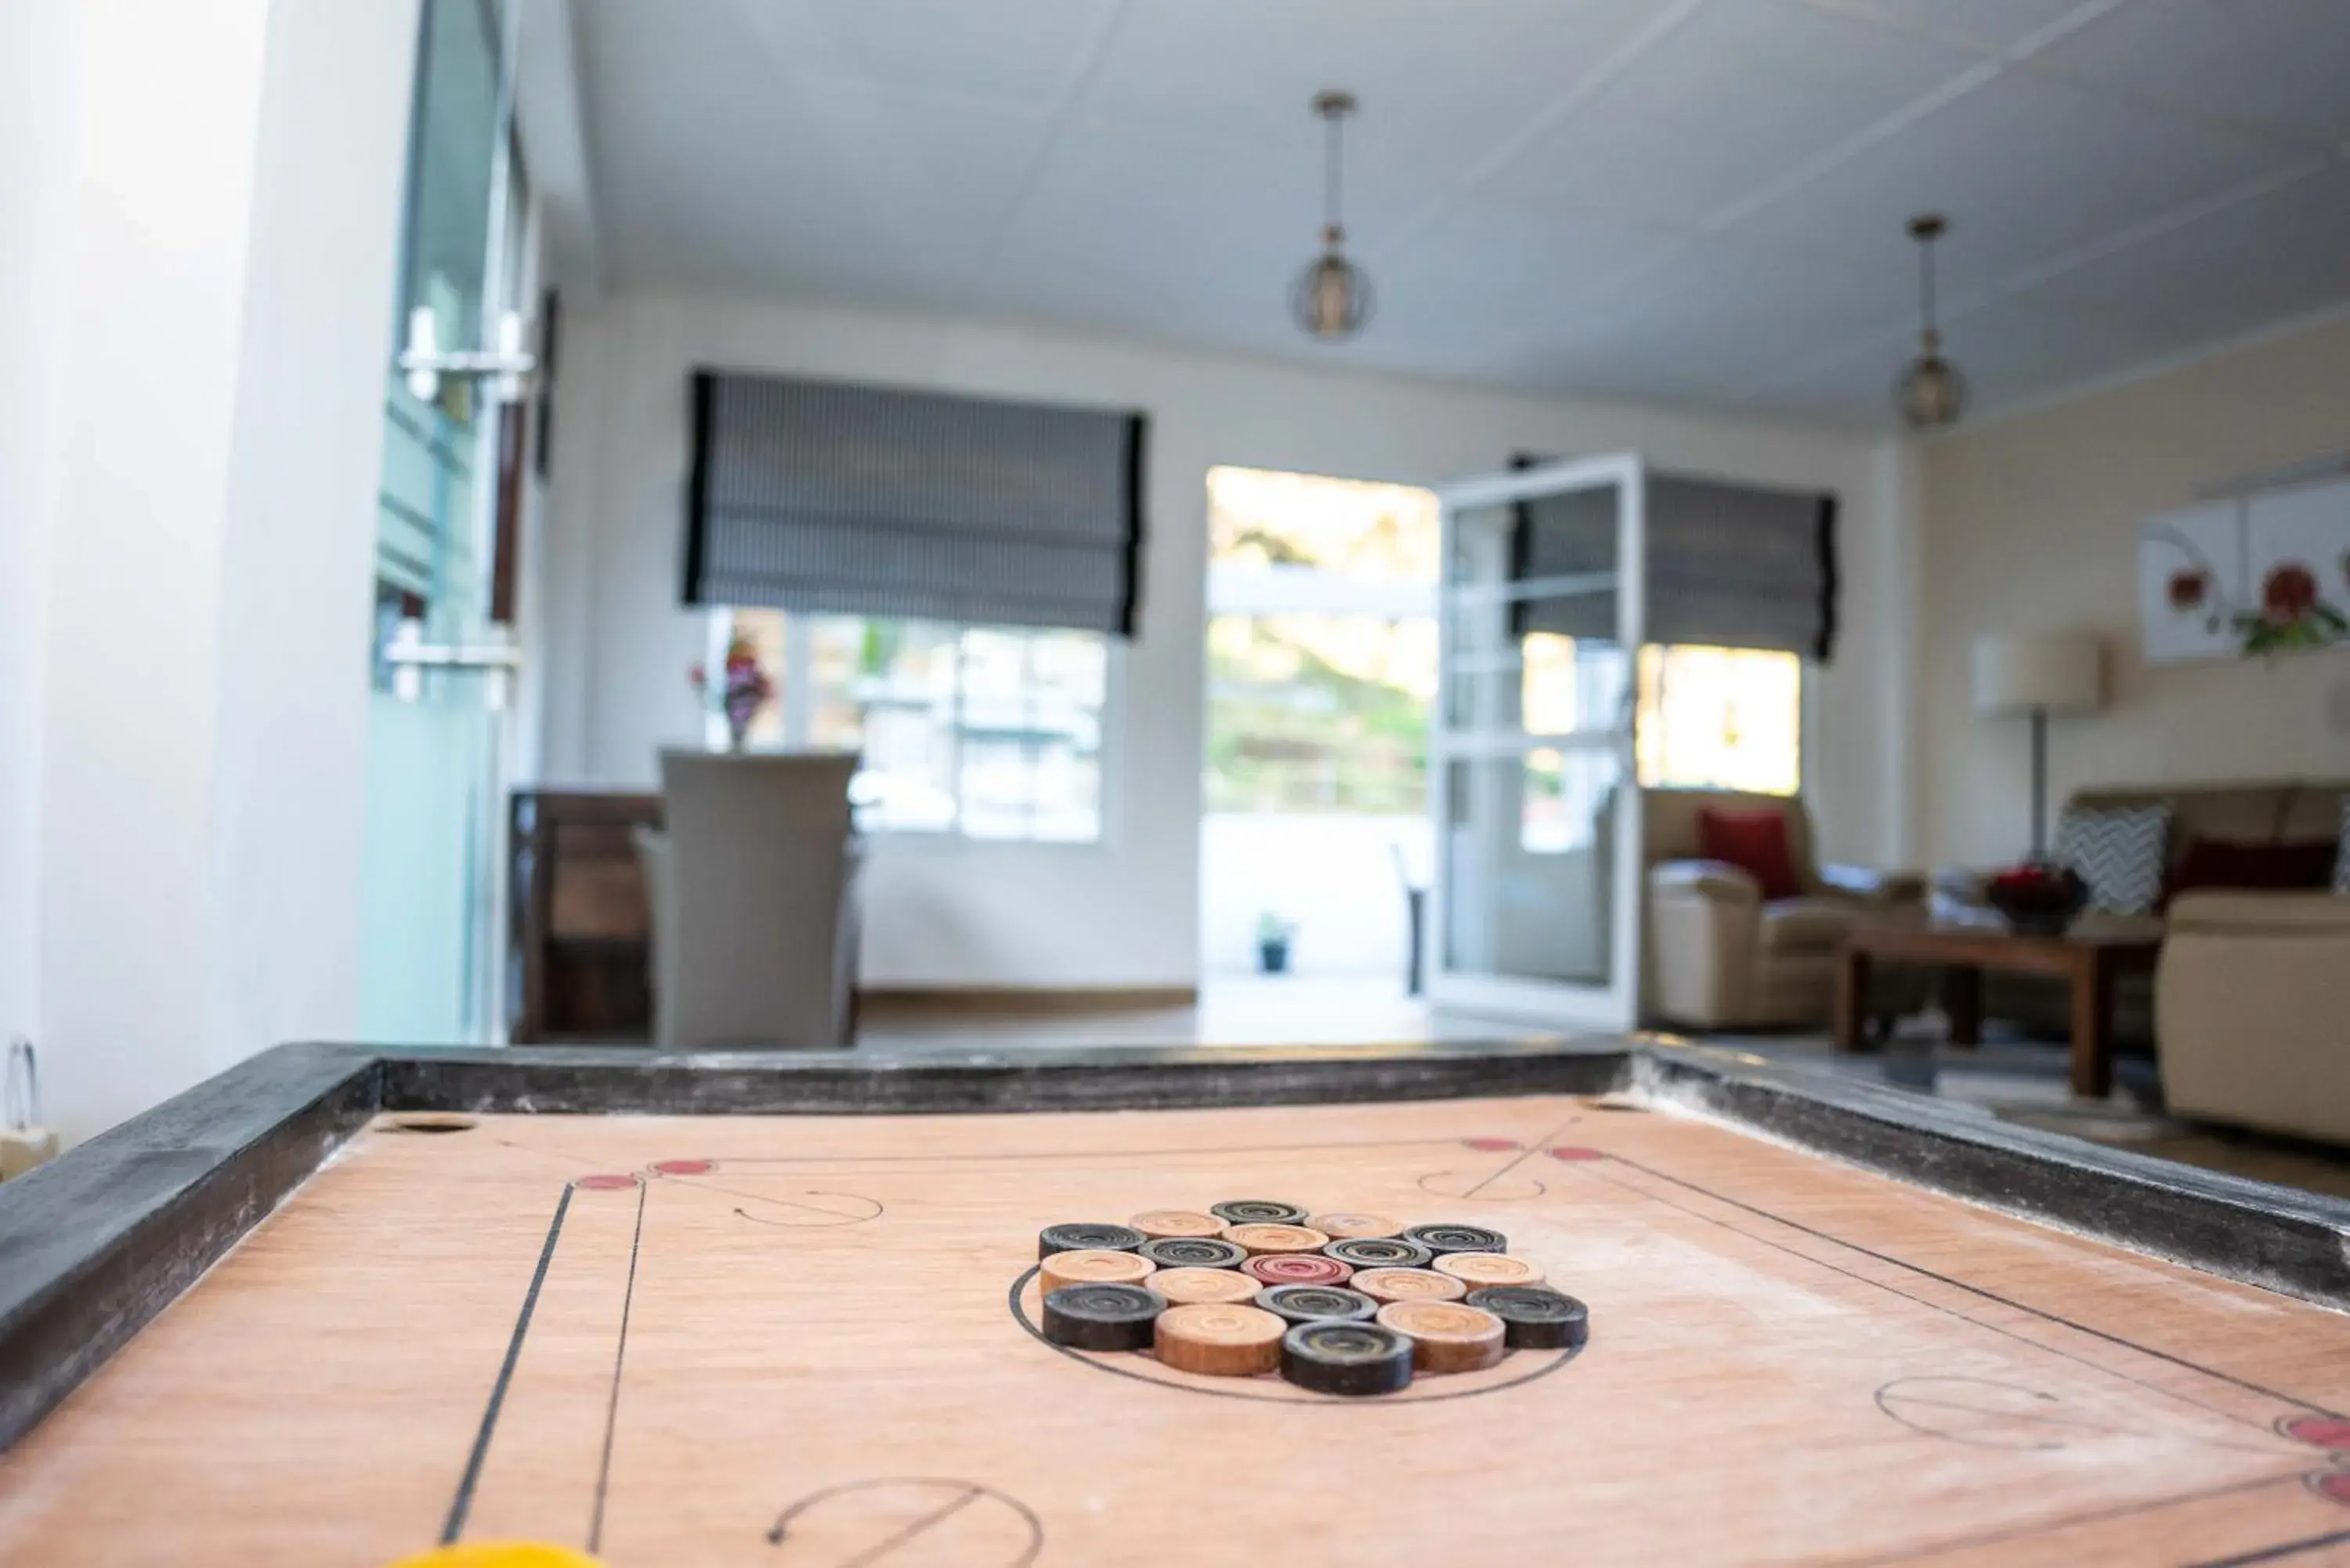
<point x="742" y="689"/>
<point x="2038" y="899"/>
<point x="2293" y="613"/>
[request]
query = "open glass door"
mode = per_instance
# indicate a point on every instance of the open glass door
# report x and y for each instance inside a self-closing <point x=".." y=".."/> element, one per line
<point x="437" y="722"/>
<point x="1537" y="817"/>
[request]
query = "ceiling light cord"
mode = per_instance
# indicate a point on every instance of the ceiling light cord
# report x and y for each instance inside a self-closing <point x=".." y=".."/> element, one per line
<point x="1926" y="288"/>
<point x="1334" y="232"/>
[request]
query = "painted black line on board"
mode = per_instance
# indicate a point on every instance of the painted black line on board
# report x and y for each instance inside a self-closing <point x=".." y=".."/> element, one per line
<point x="463" y="1502"/>
<point x="2042" y="1312"/>
<point x="1894" y="1290"/>
<point x="1533" y="1148"/>
<point x="2061" y="1521"/>
<point x="1111" y="1154"/>
<point x="2278" y="1553"/>
<point x="619" y="1355"/>
<point x="695" y="1184"/>
<point x="929" y="1521"/>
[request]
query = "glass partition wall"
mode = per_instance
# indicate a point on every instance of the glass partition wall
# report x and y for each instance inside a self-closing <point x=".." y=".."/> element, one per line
<point x="1538" y="818"/>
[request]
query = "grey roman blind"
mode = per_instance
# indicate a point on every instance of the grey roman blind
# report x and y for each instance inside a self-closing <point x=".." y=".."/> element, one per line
<point x="1729" y="566"/>
<point x="852" y="500"/>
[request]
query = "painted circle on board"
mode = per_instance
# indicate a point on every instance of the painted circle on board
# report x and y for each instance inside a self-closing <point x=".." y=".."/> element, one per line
<point x="932" y="1519"/>
<point x="604" y="1181"/>
<point x="2318" y="1431"/>
<point x="1519" y="1369"/>
<point x="1506" y="1187"/>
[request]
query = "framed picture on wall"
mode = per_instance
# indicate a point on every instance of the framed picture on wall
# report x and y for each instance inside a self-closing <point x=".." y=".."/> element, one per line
<point x="2266" y="574"/>
<point x="2192" y="573"/>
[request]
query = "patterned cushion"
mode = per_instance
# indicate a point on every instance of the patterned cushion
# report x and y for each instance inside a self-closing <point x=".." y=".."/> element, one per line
<point x="2342" y="850"/>
<point x="2119" y="854"/>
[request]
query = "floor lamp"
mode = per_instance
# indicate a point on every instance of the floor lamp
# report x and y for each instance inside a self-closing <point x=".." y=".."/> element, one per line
<point x="2036" y="676"/>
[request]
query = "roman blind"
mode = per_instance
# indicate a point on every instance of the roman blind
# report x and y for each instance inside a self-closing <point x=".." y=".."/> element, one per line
<point x="1729" y="566"/>
<point x="855" y="500"/>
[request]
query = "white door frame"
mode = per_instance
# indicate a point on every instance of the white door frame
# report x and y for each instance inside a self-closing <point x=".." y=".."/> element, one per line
<point x="1613" y="1006"/>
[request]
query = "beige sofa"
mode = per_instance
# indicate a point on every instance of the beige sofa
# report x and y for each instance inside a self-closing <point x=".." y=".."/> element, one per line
<point x="1718" y="955"/>
<point x="2251" y="1004"/>
<point x="2039" y="1006"/>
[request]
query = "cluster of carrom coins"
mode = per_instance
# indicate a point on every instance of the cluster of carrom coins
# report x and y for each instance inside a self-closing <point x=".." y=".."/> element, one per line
<point x="1340" y="1304"/>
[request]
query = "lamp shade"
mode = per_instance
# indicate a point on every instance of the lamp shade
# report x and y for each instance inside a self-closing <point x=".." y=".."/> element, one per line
<point x="2058" y="672"/>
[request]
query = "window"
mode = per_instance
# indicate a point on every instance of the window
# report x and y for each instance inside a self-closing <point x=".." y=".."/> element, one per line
<point x="1721" y="718"/>
<point x="986" y="732"/>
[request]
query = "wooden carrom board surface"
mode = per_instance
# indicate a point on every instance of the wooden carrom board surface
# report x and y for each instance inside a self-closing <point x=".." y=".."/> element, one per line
<point x="791" y="1342"/>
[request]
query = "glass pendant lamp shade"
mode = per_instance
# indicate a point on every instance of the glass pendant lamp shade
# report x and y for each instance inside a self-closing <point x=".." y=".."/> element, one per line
<point x="1332" y="298"/>
<point x="1931" y="394"/>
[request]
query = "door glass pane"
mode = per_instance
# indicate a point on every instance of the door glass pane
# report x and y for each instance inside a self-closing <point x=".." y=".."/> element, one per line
<point x="434" y="734"/>
<point x="1530" y="853"/>
<point x="1531" y="616"/>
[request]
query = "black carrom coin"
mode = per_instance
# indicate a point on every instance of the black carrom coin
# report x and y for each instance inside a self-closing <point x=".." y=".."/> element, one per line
<point x="1535" y="1318"/>
<point x="1102" y="1317"/>
<point x="1352" y="1358"/>
<point x="1085" y="1237"/>
<point x="1442" y="1238"/>
<point x="1318" y="1303"/>
<point x="1257" y="1212"/>
<point x="1379" y="1252"/>
<point x="1193" y="1253"/>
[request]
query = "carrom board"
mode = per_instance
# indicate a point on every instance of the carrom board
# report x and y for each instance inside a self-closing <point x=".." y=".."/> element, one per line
<point x="807" y="1342"/>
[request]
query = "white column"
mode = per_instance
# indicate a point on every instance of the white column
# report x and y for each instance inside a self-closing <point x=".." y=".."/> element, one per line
<point x="223" y="190"/>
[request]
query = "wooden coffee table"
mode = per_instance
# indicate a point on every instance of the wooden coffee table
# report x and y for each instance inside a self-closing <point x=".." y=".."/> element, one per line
<point x="2088" y="964"/>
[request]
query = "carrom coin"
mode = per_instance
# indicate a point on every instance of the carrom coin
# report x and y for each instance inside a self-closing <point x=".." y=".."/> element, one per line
<point x="1257" y="1212"/>
<point x="1161" y="1224"/>
<point x="1385" y="1285"/>
<point x="1219" y="1339"/>
<point x="1257" y="1238"/>
<point x="1349" y="1358"/>
<point x="1195" y="1252"/>
<point x="1449" y="1238"/>
<point x="1102" y="1317"/>
<point x="1447" y="1337"/>
<point x="1379" y="1252"/>
<point x="1353" y="1227"/>
<point x="1318" y="1303"/>
<point x="1193" y="1287"/>
<point x="1088" y="1238"/>
<point x="1536" y="1317"/>
<point x="1477" y="1270"/>
<point x="1092" y="1266"/>
<point x="1296" y="1269"/>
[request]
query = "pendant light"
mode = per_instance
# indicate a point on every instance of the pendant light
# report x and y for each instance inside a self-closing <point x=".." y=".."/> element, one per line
<point x="1931" y="394"/>
<point x="1332" y="298"/>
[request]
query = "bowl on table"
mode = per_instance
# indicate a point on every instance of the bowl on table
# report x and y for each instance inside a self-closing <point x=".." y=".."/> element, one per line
<point x="2038" y="899"/>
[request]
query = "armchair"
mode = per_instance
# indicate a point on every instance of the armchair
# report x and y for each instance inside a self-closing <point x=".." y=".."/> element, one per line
<point x="1721" y="956"/>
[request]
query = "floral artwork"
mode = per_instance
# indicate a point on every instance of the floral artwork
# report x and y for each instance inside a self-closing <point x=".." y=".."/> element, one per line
<point x="2252" y="579"/>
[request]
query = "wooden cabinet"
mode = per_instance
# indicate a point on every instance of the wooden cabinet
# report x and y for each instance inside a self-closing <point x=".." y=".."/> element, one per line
<point x="579" y="922"/>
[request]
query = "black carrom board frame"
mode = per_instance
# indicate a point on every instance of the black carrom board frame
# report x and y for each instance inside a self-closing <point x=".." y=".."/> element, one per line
<point x="94" y="1245"/>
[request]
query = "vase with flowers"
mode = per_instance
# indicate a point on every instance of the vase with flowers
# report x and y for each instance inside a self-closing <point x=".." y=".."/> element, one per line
<point x="740" y="691"/>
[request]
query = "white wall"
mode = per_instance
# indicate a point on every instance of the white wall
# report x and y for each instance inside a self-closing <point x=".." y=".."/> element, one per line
<point x="35" y="185"/>
<point x="1125" y="912"/>
<point x="2031" y="524"/>
<point x="217" y="269"/>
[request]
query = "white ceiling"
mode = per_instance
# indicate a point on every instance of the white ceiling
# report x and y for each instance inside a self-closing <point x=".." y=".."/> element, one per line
<point x="1690" y="201"/>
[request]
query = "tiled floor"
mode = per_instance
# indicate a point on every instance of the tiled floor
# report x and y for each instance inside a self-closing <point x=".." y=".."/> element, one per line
<point x="1242" y="1010"/>
<point x="2016" y="1080"/>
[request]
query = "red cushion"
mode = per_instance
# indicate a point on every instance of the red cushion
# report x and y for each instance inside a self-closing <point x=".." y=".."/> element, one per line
<point x="1753" y="841"/>
<point x="2245" y="863"/>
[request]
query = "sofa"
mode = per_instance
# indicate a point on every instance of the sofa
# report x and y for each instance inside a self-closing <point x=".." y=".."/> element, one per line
<point x="1718" y="955"/>
<point x="2038" y="1006"/>
<point x="2251" y="1007"/>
